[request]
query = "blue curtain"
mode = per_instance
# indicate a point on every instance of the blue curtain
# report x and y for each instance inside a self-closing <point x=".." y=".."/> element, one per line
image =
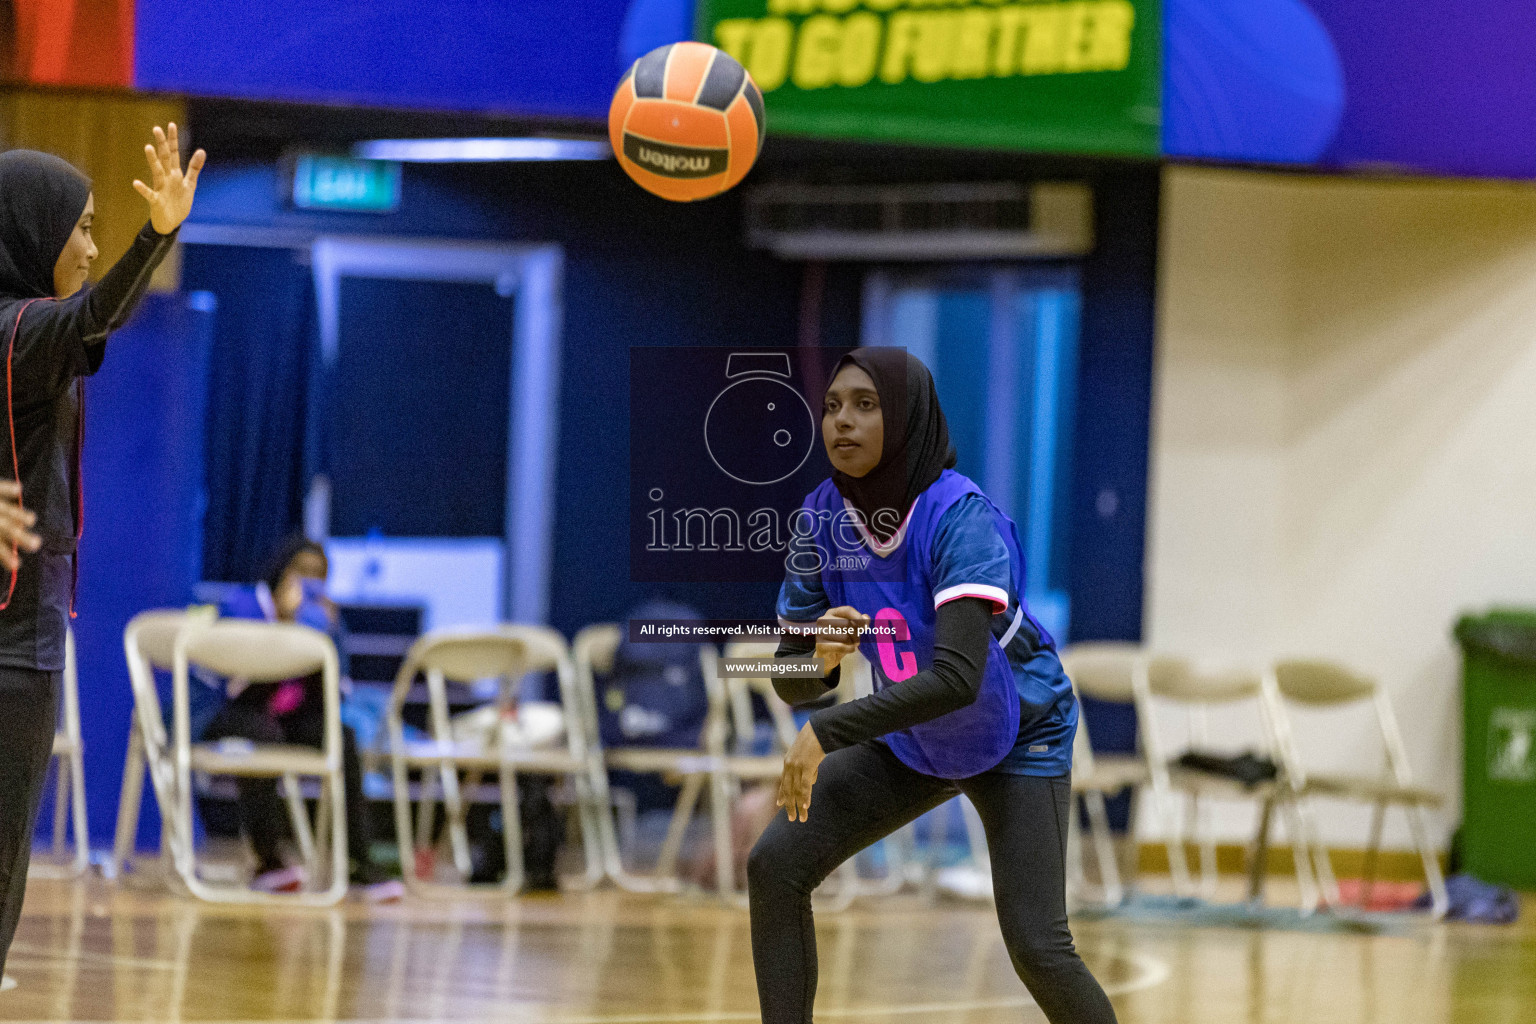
<point x="143" y="475"/>
<point x="259" y="388"/>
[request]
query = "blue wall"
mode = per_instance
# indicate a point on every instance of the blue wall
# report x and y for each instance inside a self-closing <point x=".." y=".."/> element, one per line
<point x="1114" y="409"/>
<point x="1112" y="435"/>
<point x="543" y="57"/>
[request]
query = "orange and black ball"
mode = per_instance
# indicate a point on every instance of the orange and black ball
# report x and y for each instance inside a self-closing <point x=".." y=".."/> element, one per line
<point x="686" y="122"/>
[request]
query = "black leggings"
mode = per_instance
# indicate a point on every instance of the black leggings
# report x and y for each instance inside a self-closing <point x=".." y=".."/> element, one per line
<point x="863" y="793"/>
<point x="263" y="816"/>
<point x="28" y="705"/>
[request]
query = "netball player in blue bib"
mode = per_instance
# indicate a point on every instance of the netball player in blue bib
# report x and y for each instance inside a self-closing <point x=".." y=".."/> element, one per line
<point x="969" y="694"/>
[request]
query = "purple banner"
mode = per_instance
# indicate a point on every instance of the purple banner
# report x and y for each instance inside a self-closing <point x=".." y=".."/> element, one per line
<point x="1410" y="85"/>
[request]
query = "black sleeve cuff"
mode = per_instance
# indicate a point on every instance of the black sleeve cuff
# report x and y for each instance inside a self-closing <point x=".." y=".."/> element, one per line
<point x="827" y="725"/>
<point x="803" y="689"/>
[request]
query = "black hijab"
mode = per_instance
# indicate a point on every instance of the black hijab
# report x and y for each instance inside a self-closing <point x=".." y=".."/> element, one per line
<point x="916" y="448"/>
<point x="292" y="547"/>
<point x="41" y="199"/>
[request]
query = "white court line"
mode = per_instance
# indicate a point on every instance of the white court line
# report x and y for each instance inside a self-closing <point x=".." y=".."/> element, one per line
<point x="1150" y="972"/>
<point x="21" y="952"/>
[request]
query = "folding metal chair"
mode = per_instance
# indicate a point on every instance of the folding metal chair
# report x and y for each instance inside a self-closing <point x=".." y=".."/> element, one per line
<point x="1195" y="689"/>
<point x="593" y="653"/>
<point x="149" y="643"/>
<point x="737" y="764"/>
<point x="69" y="796"/>
<point x="261" y="652"/>
<point x="1320" y="684"/>
<point x="1103" y="671"/>
<point x="506" y="654"/>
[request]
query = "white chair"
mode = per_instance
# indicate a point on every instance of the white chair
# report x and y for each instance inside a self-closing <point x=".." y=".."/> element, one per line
<point x="1320" y="684"/>
<point x="736" y="765"/>
<point x="1106" y="672"/>
<point x="149" y="643"/>
<point x="739" y="691"/>
<point x="593" y="653"/>
<point x="506" y="654"/>
<point x="69" y="797"/>
<point x="855" y="679"/>
<point x="261" y="652"/>
<point x="722" y="761"/>
<point x="1195" y="689"/>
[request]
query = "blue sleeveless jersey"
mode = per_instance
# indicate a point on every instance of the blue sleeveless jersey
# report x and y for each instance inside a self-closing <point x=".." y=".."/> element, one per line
<point x="905" y="582"/>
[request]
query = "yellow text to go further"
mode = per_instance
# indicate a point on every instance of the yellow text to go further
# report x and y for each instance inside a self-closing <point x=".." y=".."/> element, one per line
<point x="827" y="50"/>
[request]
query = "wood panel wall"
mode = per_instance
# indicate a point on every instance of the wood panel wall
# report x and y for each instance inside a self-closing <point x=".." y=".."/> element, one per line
<point x="103" y="134"/>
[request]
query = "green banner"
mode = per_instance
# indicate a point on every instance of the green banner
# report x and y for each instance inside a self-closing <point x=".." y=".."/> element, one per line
<point x="1062" y="76"/>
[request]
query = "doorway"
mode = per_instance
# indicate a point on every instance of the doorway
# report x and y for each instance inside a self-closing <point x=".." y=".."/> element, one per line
<point x="1002" y="345"/>
<point x="439" y="368"/>
<point x="420" y="386"/>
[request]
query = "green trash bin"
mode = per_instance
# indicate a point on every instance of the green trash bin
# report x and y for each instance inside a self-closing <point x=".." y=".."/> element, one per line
<point x="1498" y="835"/>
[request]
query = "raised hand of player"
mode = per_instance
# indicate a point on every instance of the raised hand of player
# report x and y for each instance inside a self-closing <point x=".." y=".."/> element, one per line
<point x="170" y="191"/>
<point x="800" y="767"/>
<point x="832" y="650"/>
<point x="15" y="526"/>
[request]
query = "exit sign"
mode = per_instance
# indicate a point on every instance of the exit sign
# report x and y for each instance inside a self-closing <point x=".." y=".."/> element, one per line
<point x="345" y="183"/>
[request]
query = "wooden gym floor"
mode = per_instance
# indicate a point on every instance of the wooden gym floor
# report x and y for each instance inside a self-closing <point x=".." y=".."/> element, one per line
<point x="91" y="951"/>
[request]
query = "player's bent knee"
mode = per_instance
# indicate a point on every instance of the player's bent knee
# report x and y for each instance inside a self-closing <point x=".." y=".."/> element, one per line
<point x="1042" y="959"/>
<point x="779" y="860"/>
<point x="760" y="862"/>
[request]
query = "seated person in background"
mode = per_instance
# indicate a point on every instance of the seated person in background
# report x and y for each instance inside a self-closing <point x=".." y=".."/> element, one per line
<point x="292" y="711"/>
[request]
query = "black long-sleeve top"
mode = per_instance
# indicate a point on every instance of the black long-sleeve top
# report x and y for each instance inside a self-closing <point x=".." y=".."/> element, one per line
<point x="56" y="343"/>
<point x="961" y="631"/>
